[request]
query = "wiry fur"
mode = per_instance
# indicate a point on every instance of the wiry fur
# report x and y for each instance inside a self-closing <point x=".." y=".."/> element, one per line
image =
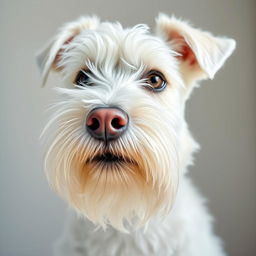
<point x="157" y="145"/>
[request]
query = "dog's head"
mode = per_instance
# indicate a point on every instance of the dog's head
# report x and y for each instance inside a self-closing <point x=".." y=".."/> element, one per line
<point x="118" y="141"/>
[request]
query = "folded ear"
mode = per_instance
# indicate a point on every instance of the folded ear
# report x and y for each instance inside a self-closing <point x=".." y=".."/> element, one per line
<point x="201" y="54"/>
<point x="48" y="58"/>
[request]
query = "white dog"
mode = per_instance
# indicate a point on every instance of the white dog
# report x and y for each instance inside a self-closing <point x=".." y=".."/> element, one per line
<point x="118" y="143"/>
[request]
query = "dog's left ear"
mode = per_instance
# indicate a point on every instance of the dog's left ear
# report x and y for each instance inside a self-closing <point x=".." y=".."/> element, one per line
<point x="49" y="57"/>
<point x="200" y="54"/>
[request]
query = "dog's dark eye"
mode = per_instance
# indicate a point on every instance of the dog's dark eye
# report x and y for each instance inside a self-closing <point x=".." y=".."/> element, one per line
<point x="155" y="81"/>
<point x="82" y="79"/>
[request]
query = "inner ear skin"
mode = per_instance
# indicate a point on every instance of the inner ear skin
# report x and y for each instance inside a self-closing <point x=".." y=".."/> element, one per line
<point x="186" y="52"/>
<point x="57" y="59"/>
<point x="187" y="55"/>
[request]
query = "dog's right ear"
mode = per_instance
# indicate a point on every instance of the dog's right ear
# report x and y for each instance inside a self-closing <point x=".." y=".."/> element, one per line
<point x="48" y="58"/>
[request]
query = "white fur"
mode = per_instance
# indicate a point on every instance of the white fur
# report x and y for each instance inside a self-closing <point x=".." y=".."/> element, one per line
<point x="147" y="206"/>
<point x="186" y="231"/>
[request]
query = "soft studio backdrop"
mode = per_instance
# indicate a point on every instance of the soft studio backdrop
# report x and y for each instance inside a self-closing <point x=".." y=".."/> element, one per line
<point x="221" y="115"/>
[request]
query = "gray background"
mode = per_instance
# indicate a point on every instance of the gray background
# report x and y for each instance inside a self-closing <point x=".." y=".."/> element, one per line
<point x="221" y="115"/>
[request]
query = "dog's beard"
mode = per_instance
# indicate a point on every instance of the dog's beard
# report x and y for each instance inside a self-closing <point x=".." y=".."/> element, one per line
<point x="128" y="180"/>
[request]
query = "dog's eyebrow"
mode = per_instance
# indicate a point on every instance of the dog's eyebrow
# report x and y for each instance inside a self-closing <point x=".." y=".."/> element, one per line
<point x="131" y="66"/>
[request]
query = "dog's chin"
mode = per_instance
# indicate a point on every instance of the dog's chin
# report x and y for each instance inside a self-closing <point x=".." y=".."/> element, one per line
<point x="112" y="185"/>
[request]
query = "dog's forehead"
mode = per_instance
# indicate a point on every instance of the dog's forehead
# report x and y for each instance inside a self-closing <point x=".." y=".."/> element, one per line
<point x="110" y="43"/>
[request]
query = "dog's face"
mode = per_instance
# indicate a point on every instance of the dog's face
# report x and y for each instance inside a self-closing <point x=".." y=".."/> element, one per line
<point x="118" y="140"/>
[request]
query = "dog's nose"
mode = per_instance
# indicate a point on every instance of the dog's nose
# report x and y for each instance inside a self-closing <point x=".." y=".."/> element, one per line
<point x="106" y="123"/>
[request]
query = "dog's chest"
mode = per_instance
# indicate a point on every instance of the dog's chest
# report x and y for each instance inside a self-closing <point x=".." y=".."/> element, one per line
<point x="162" y="237"/>
<point x="158" y="239"/>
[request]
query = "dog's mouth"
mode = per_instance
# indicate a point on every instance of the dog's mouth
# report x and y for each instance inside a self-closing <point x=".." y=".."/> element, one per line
<point x="110" y="158"/>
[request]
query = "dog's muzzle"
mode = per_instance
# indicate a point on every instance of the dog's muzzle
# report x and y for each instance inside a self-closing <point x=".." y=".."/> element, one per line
<point x="107" y="123"/>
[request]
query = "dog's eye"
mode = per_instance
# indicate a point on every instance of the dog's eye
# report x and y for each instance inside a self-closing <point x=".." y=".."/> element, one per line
<point x="155" y="81"/>
<point x="82" y="79"/>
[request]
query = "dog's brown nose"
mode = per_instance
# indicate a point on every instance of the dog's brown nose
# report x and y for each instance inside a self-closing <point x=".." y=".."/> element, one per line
<point x="106" y="123"/>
